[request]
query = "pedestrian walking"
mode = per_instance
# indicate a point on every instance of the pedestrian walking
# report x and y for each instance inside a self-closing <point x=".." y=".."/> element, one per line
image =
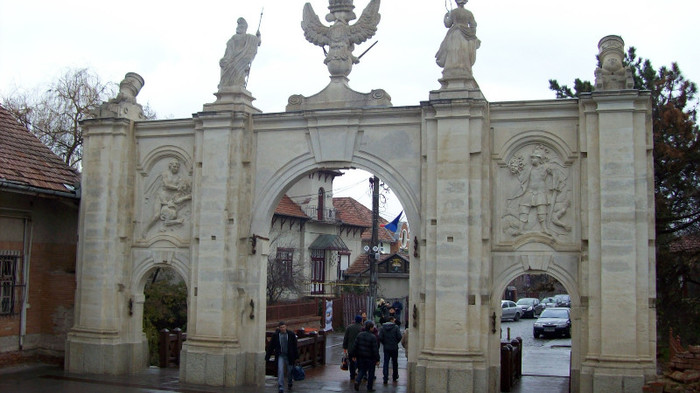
<point x="284" y="346"/>
<point x="398" y="307"/>
<point x="367" y="356"/>
<point x="351" y="333"/>
<point x="390" y="337"/>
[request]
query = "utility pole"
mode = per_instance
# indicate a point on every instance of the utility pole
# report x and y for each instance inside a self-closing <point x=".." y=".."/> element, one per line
<point x="374" y="246"/>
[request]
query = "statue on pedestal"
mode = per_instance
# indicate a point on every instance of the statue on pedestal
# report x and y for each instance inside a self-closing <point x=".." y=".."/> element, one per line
<point x="457" y="52"/>
<point x="240" y="52"/>
<point x="341" y="36"/>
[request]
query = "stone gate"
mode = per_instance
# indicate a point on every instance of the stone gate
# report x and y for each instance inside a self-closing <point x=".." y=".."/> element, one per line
<point x="492" y="190"/>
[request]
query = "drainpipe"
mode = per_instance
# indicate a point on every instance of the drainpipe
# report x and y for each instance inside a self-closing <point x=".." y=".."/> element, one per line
<point x="27" y="251"/>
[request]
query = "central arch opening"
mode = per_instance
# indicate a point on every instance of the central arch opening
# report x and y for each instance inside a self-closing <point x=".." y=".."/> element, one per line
<point x="320" y="248"/>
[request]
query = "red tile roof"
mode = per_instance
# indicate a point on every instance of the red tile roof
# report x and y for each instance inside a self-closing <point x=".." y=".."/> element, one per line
<point x="287" y="207"/>
<point x="361" y="264"/>
<point x="352" y="212"/>
<point x="26" y="162"/>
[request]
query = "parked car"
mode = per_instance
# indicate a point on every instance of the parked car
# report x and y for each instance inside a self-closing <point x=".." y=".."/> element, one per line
<point x="555" y="321"/>
<point x="563" y="300"/>
<point x="548" y="302"/>
<point x="510" y="310"/>
<point x="530" y="307"/>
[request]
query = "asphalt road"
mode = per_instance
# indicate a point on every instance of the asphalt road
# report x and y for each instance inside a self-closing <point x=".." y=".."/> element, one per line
<point x="541" y="356"/>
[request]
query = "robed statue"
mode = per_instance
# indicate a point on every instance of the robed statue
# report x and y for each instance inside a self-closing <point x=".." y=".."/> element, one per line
<point x="457" y="52"/>
<point x="341" y="37"/>
<point x="240" y="52"/>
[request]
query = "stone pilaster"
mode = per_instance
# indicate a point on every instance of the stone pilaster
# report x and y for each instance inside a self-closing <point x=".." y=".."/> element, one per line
<point x="621" y="337"/>
<point x="226" y="329"/>
<point x="98" y="341"/>
<point x="452" y="359"/>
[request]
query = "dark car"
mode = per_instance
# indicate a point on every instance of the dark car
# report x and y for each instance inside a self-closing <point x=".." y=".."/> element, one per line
<point x="530" y="307"/>
<point x="548" y="302"/>
<point x="563" y="300"/>
<point x="554" y="321"/>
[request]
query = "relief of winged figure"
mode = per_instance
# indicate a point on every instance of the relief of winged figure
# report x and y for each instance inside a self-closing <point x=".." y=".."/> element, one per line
<point x="341" y="36"/>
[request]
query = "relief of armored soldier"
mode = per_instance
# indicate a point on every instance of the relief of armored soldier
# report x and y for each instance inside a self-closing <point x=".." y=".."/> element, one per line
<point x="542" y="194"/>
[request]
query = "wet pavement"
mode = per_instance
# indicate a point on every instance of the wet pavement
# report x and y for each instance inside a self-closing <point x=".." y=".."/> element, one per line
<point x="330" y="378"/>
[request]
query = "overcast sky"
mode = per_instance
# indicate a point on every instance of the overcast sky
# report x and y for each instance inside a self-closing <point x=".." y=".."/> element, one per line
<point x="176" y="46"/>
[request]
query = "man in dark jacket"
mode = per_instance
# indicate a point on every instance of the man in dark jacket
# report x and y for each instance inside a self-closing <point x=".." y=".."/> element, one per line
<point x="284" y="346"/>
<point x="349" y="342"/>
<point x="366" y="353"/>
<point x="390" y="337"/>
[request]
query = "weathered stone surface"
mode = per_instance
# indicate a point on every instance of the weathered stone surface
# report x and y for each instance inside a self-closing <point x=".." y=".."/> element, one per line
<point x="492" y="191"/>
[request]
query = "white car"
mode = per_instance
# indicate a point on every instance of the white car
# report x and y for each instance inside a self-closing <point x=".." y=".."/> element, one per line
<point x="510" y="310"/>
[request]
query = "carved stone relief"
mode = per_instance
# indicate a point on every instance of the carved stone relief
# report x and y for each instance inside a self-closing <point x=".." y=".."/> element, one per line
<point x="538" y="196"/>
<point x="166" y="199"/>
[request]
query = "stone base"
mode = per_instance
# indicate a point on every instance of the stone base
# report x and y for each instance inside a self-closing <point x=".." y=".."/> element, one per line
<point x="222" y="365"/>
<point x="456" y="93"/>
<point x="623" y="377"/>
<point x="235" y="99"/>
<point x="338" y="95"/>
<point x="457" y="86"/>
<point x="86" y="355"/>
<point x="448" y="377"/>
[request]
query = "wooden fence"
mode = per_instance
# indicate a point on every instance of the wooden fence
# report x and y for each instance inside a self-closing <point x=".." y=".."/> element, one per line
<point x="311" y="348"/>
<point x="169" y="346"/>
<point x="511" y="363"/>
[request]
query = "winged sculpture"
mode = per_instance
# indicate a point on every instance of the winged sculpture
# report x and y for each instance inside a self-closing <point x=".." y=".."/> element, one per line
<point x="340" y="37"/>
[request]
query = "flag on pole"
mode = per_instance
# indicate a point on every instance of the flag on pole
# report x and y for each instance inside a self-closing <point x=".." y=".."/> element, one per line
<point x="393" y="225"/>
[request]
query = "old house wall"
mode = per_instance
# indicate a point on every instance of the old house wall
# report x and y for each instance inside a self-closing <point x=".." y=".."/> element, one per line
<point x="50" y="237"/>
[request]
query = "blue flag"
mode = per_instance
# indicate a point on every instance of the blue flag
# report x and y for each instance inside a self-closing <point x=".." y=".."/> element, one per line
<point x="393" y="225"/>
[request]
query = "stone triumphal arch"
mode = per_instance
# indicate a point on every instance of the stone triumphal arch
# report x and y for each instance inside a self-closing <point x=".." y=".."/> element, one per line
<point x="492" y="190"/>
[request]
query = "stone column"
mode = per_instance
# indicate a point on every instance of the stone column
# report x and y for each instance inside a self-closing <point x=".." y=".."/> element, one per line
<point x="619" y="344"/>
<point x="226" y="329"/>
<point x="98" y="342"/>
<point x="453" y="354"/>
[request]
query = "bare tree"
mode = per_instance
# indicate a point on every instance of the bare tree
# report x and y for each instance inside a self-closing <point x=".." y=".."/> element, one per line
<point x="285" y="274"/>
<point x="54" y="114"/>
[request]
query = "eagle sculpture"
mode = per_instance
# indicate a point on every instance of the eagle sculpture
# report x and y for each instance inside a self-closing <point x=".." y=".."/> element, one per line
<point x="341" y="36"/>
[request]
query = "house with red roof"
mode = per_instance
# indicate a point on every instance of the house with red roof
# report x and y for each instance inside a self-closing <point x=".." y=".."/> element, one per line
<point x="39" y="199"/>
<point x="316" y="238"/>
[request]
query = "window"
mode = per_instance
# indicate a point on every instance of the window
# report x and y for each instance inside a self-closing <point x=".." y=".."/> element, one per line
<point x="343" y="263"/>
<point x="318" y="271"/>
<point x="9" y="263"/>
<point x="321" y="198"/>
<point x="285" y="257"/>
